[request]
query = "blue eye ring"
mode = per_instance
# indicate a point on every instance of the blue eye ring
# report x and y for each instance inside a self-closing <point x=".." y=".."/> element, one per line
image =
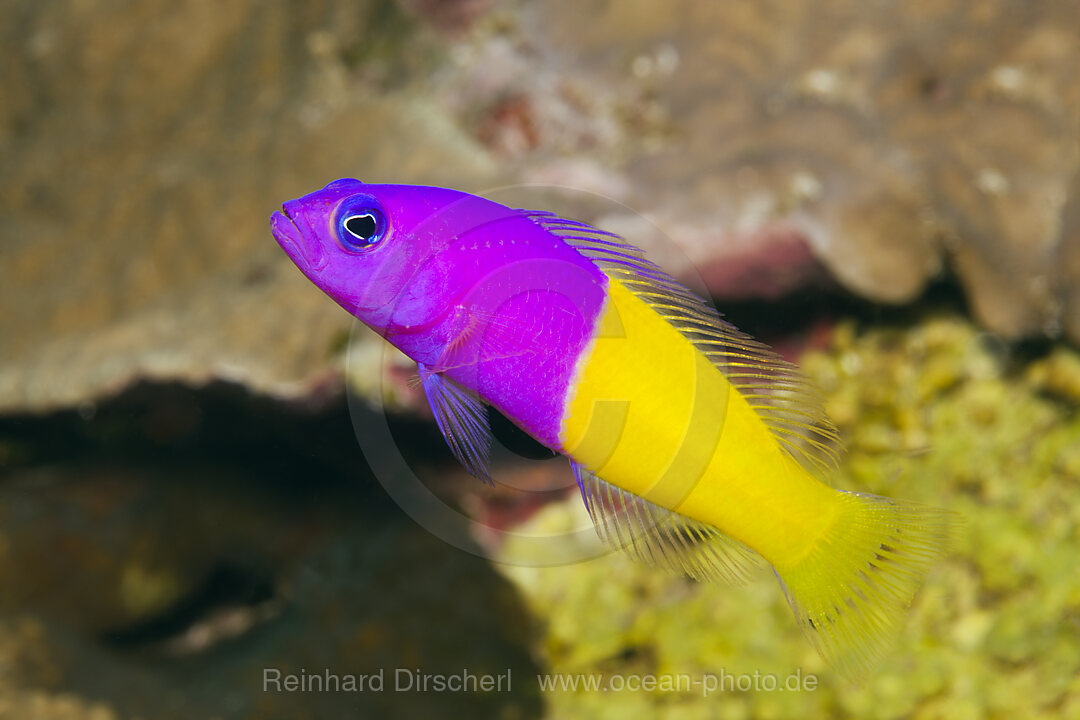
<point x="360" y="226"/>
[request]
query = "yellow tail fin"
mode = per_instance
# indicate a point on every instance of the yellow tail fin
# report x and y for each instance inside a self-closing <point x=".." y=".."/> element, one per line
<point x="851" y="592"/>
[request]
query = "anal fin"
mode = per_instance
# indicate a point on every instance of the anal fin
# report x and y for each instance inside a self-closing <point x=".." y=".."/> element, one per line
<point x="657" y="536"/>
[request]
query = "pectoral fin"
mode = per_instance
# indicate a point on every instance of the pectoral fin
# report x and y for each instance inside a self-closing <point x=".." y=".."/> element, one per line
<point x="462" y="419"/>
<point x="481" y="335"/>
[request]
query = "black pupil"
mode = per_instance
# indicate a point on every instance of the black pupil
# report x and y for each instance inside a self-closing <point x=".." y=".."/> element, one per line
<point x="362" y="226"/>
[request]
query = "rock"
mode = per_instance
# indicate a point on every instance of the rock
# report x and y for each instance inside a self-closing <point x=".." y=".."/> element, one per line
<point x="895" y="141"/>
<point x="159" y="555"/>
<point x="772" y="145"/>
<point x="990" y="632"/>
<point x="144" y="152"/>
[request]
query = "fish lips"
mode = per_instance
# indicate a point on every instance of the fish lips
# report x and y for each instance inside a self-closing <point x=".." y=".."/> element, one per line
<point x="297" y="240"/>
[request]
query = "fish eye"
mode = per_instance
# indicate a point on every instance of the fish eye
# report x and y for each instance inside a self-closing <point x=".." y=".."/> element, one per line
<point x="360" y="226"/>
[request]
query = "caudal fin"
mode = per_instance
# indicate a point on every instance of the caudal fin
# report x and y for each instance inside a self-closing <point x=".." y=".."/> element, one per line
<point x="850" y="594"/>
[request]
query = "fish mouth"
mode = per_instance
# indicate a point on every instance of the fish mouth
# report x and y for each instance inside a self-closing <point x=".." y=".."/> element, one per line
<point x="297" y="240"/>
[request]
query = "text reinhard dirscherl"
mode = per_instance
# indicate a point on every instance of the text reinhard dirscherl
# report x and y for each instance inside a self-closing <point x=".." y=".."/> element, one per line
<point x="399" y="680"/>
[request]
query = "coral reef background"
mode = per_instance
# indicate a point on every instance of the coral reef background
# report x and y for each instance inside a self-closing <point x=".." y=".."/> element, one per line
<point x="888" y="192"/>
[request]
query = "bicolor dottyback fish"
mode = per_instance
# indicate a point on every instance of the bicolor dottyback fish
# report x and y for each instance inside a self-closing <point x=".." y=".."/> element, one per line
<point x="694" y="446"/>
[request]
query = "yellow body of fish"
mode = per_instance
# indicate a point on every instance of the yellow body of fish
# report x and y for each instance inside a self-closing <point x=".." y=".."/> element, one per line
<point x="651" y="414"/>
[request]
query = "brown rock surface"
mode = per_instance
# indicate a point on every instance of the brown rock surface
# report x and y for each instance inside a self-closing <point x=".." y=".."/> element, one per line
<point x="144" y="147"/>
<point x="897" y="139"/>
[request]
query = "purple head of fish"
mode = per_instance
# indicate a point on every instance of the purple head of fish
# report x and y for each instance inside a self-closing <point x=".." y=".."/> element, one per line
<point x="364" y="244"/>
<point x="456" y="282"/>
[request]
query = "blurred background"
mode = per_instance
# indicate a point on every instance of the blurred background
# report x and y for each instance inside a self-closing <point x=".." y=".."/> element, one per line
<point x="889" y="193"/>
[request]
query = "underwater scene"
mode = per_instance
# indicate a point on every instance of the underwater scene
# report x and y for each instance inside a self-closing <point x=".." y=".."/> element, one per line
<point x="553" y="360"/>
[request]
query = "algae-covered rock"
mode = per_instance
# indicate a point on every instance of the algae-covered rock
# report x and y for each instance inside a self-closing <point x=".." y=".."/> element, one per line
<point x="938" y="413"/>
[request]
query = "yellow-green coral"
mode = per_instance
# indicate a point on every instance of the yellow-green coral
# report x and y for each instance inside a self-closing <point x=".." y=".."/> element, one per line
<point x="933" y="413"/>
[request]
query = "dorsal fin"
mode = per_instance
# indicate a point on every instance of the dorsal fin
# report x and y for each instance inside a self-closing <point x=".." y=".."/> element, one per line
<point x="661" y="537"/>
<point x="777" y="390"/>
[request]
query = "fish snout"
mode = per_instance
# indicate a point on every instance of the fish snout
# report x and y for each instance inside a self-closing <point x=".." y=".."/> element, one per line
<point x="296" y="239"/>
<point x="291" y="209"/>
